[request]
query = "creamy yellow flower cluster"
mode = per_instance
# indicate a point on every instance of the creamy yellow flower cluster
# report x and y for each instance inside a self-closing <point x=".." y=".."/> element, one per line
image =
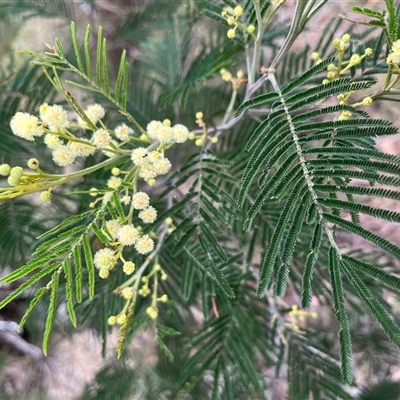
<point x="341" y="44"/>
<point x="148" y="163"/>
<point x="124" y="234"/>
<point x="337" y="71"/>
<point x="394" y="55"/>
<point x="130" y="294"/>
<point x="344" y="99"/>
<point x="232" y="18"/>
<point x="153" y="163"/>
<point x="54" y="124"/>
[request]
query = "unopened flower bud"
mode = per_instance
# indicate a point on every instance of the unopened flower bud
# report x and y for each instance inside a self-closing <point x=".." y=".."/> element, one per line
<point x="314" y="56"/>
<point x="127" y="293"/>
<point x="238" y="11"/>
<point x="230" y="33"/>
<point x="45" y="196"/>
<point x="152" y="312"/>
<point x="346" y="38"/>
<point x="33" y="163"/>
<point x="121" y="319"/>
<point x="336" y="43"/>
<point x="5" y="169"/>
<point x="104" y="273"/>
<point x="230" y="20"/>
<point x="15" y="176"/>
<point x="93" y="192"/>
<point x="367" y="101"/>
<point x="355" y="59"/>
<point x="330" y="75"/>
<point x="163" y="298"/>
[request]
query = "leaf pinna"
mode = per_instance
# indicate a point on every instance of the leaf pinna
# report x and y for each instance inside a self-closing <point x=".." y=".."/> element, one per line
<point x="310" y="166"/>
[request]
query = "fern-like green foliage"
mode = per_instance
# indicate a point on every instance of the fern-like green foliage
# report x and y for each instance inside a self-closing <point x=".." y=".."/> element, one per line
<point x="316" y="168"/>
<point x="95" y="75"/>
<point x="54" y="257"/>
<point x="204" y="213"/>
<point x="307" y="175"/>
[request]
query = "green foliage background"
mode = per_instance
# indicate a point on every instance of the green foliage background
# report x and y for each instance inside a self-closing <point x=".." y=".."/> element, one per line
<point x="252" y="239"/>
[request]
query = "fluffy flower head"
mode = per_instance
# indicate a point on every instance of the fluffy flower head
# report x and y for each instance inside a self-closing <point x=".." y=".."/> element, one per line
<point x="162" y="166"/>
<point x="95" y="113"/>
<point x="123" y="132"/>
<point x="114" y="182"/>
<point x="152" y="129"/>
<point x="81" y="149"/>
<point x="105" y="259"/>
<point x="148" y="215"/>
<point x="113" y="226"/>
<point x="396" y="47"/>
<point x="139" y="156"/>
<point x="147" y="171"/>
<point x="126" y="199"/>
<point x="127" y="235"/>
<point x="52" y="141"/>
<point x="180" y="133"/>
<point x="55" y="117"/>
<point x="63" y="155"/>
<point x="101" y="138"/>
<point x="140" y="200"/>
<point x="165" y="134"/>
<point x="128" y="267"/>
<point x="144" y="245"/>
<point x="26" y="126"/>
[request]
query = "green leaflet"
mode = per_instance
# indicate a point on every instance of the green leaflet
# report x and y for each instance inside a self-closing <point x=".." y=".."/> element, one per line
<point x="29" y="283"/>
<point x="202" y="214"/>
<point x="89" y="263"/>
<point x="341" y="315"/>
<point x="69" y="290"/>
<point x="378" y="273"/>
<point x="270" y="256"/>
<point x="52" y="311"/>
<point x="312" y="258"/>
<point x="38" y="295"/>
<point x="365" y="234"/>
<point x="288" y="247"/>
<point x="391" y="329"/>
<point x="78" y="273"/>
